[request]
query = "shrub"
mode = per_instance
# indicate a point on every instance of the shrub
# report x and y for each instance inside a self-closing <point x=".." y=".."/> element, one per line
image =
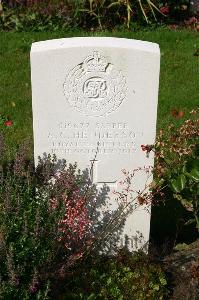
<point x="37" y="16"/>
<point x="47" y="227"/>
<point x="177" y="163"/>
<point x="44" y="224"/>
<point x="55" y="15"/>
<point x="124" y="277"/>
<point x="49" y="221"/>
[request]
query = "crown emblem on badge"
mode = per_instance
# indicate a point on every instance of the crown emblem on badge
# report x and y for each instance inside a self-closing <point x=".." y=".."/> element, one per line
<point x="95" y="62"/>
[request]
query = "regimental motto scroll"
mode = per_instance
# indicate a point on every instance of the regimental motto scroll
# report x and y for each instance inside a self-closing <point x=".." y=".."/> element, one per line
<point x="95" y="87"/>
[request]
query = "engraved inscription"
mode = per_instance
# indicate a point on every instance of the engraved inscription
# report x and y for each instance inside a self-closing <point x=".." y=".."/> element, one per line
<point x="106" y="137"/>
<point x="95" y="87"/>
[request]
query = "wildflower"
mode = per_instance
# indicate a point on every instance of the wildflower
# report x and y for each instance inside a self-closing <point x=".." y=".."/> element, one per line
<point x="183" y="7"/>
<point x="173" y="26"/>
<point x="8" y="123"/>
<point x="141" y="200"/>
<point x="164" y="10"/>
<point x="177" y="114"/>
<point x="143" y="147"/>
<point x="147" y="148"/>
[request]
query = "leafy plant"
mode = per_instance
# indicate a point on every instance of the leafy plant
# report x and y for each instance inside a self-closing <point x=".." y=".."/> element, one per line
<point x="177" y="163"/>
<point x="49" y="222"/>
<point x="186" y="188"/>
<point x="55" y="15"/>
<point x="44" y="224"/>
<point x="5" y="121"/>
<point x="36" y="16"/>
<point x="125" y="8"/>
<point x="118" y="278"/>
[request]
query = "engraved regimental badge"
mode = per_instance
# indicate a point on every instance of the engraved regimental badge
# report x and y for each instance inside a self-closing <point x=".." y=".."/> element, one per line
<point x="95" y="87"/>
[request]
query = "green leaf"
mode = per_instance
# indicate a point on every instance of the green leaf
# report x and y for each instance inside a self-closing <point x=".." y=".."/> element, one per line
<point x="91" y="4"/>
<point x="160" y="182"/>
<point x="184" y="168"/>
<point x="178" y="184"/>
<point x="194" y="174"/>
<point x="191" y="221"/>
<point x="92" y="297"/>
<point x="156" y="287"/>
<point x="182" y="180"/>
<point x="181" y="247"/>
<point x="168" y="161"/>
<point x="187" y="204"/>
<point x="175" y="186"/>
<point x="84" y="10"/>
<point x="113" y="4"/>
<point x="163" y="281"/>
<point x="193" y="164"/>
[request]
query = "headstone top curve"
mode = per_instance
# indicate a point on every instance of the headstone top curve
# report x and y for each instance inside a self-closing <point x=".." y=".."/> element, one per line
<point x="84" y="42"/>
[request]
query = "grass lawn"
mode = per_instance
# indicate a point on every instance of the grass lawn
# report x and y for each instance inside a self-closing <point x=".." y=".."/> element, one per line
<point x="178" y="80"/>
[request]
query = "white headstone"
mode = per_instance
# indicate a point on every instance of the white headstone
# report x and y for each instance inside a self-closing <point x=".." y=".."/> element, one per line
<point x="95" y="103"/>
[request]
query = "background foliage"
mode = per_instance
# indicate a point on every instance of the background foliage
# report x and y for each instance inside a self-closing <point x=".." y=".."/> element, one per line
<point x="55" y="15"/>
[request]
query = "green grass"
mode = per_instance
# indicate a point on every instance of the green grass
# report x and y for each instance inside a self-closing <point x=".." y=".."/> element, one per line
<point x="178" y="80"/>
